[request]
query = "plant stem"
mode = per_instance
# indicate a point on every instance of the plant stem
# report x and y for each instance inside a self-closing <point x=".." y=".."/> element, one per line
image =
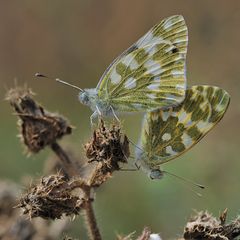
<point x="90" y="220"/>
<point x="72" y="170"/>
<point x="67" y="163"/>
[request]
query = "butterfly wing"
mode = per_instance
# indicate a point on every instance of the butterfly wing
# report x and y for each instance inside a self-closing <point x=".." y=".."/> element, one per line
<point x="169" y="133"/>
<point x="151" y="73"/>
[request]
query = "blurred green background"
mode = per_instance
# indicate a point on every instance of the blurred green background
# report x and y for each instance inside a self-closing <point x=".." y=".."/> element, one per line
<point x="75" y="41"/>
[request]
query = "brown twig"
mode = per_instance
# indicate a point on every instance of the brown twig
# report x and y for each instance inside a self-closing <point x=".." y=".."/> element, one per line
<point x="67" y="163"/>
<point x="39" y="129"/>
<point x="89" y="216"/>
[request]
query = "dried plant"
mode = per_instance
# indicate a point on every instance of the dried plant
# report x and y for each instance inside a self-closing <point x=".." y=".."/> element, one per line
<point x="72" y="191"/>
<point x="70" y="188"/>
<point x="204" y="226"/>
<point x="108" y="147"/>
<point x="13" y="226"/>
<point x="53" y="197"/>
<point x="39" y="128"/>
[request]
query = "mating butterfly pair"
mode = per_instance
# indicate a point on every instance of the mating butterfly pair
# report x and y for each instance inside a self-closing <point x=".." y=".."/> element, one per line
<point x="150" y="76"/>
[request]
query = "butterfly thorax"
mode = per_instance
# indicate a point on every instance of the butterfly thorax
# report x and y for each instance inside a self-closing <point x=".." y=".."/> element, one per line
<point x="148" y="164"/>
<point x="91" y="98"/>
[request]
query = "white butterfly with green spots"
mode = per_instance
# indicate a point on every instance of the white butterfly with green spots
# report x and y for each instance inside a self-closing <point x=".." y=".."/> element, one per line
<point x="149" y="75"/>
<point x="168" y="133"/>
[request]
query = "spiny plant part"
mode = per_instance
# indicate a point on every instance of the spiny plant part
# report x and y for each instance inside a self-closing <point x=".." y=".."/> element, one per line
<point x="53" y="197"/>
<point x="204" y="226"/>
<point x="108" y="146"/>
<point x="147" y="76"/>
<point x="38" y="127"/>
<point x="168" y="133"/>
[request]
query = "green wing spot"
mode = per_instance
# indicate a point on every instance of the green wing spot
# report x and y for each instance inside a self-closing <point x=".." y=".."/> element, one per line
<point x="178" y="146"/>
<point x="194" y="133"/>
<point x="141" y="55"/>
<point x="121" y="68"/>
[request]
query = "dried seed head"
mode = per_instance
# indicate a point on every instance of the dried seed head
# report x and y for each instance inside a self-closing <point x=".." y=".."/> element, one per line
<point x="38" y="127"/>
<point x="109" y="147"/>
<point x="205" y="226"/>
<point x="14" y="226"/>
<point x="53" y="197"/>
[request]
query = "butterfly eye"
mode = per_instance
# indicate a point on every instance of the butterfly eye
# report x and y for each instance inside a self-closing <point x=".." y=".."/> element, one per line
<point x="156" y="174"/>
<point x="84" y="98"/>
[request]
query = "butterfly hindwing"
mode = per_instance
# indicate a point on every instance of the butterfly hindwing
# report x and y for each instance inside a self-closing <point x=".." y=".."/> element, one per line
<point x="151" y="73"/>
<point x="169" y="133"/>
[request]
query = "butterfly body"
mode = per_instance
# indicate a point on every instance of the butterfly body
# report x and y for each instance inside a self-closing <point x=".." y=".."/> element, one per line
<point x="98" y="105"/>
<point x="147" y="76"/>
<point x="169" y="133"/>
<point x="150" y="168"/>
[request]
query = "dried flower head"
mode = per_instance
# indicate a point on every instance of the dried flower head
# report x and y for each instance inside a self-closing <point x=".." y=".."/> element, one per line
<point x="13" y="226"/>
<point x="39" y="128"/>
<point x="53" y="197"/>
<point x="205" y="226"/>
<point x="108" y="146"/>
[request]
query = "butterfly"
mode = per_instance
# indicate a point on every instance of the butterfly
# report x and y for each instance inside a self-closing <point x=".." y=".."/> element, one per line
<point x="168" y="133"/>
<point x="147" y="76"/>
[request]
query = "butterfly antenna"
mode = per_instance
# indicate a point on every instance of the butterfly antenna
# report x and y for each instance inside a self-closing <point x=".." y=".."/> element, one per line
<point x="59" y="80"/>
<point x="193" y="191"/>
<point x="185" y="183"/>
<point x="185" y="180"/>
<point x="128" y="169"/>
<point x="135" y="145"/>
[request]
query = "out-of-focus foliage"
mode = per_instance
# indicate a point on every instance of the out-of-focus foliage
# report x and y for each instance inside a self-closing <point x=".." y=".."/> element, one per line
<point x="75" y="41"/>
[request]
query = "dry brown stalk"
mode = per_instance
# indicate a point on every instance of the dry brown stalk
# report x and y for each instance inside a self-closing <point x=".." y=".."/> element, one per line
<point x="55" y="194"/>
<point x="70" y="192"/>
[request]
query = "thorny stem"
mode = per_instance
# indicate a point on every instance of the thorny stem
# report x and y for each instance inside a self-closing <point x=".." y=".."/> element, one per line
<point x="67" y="163"/>
<point x="89" y="216"/>
<point x="90" y="220"/>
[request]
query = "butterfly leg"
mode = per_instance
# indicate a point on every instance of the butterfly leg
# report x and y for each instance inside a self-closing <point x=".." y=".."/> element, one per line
<point x="114" y="114"/>
<point x="93" y="116"/>
<point x="136" y="165"/>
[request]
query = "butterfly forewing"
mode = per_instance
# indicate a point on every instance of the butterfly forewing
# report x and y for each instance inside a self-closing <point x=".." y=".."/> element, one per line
<point x="151" y="73"/>
<point x="169" y="133"/>
<point x="172" y="29"/>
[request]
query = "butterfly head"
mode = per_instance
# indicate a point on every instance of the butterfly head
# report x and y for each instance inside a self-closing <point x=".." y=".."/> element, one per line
<point x="87" y="96"/>
<point x="156" y="174"/>
<point x="145" y="160"/>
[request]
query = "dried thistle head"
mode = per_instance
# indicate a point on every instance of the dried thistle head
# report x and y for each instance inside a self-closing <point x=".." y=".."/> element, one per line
<point x="38" y="127"/>
<point x="52" y="198"/>
<point x="205" y="226"/>
<point x="108" y="147"/>
<point x="14" y="226"/>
